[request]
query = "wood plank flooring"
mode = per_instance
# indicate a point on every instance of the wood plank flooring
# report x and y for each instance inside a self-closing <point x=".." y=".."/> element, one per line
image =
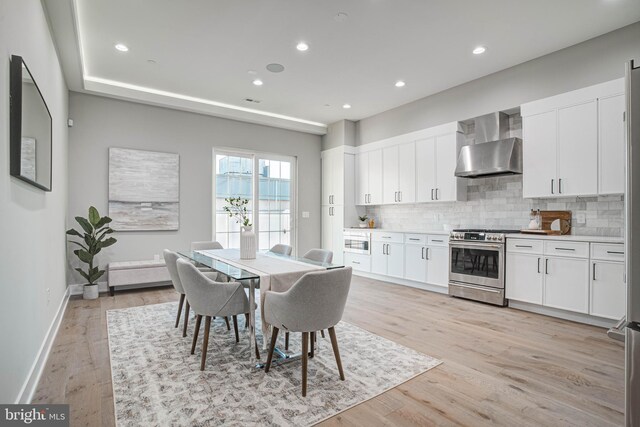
<point x="501" y="366"/>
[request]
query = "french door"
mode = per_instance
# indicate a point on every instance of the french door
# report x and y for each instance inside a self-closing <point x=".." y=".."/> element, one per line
<point x="267" y="181"/>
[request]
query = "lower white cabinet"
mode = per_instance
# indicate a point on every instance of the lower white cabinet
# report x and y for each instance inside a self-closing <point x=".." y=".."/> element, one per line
<point x="438" y="265"/>
<point x="524" y="277"/>
<point x="415" y="262"/>
<point x="608" y="290"/>
<point x="426" y="259"/>
<point x="566" y="284"/>
<point x="387" y="258"/>
<point x="359" y="262"/>
<point x="332" y="228"/>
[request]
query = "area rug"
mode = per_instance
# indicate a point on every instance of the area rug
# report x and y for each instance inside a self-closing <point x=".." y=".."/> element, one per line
<point x="156" y="381"/>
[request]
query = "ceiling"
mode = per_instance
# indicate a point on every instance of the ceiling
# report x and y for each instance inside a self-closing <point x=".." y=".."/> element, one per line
<point x="202" y="55"/>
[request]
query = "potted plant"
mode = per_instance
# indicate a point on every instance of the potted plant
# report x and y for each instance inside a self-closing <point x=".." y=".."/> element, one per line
<point x="363" y="221"/>
<point x="237" y="208"/>
<point x="93" y="238"/>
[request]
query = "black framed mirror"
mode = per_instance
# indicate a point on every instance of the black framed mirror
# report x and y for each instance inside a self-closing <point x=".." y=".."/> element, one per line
<point x="31" y="128"/>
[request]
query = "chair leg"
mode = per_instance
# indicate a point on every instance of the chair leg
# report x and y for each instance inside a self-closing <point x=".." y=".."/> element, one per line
<point x="305" y="355"/>
<point x="272" y="346"/>
<point x="235" y="327"/>
<point x="286" y="340"/>
<point x="246" y="320"/>
<point x="226" y="320"/>
<point x="195" y="333"/>
<point x="336" y="352"/>
<point x="205" y="342"/>
<point x="256" y="347"/>
<point x="179" y="309"/>
<point x="322" y="333"/>
<point x="186" y="319"/>
<point x="312" y="342"/>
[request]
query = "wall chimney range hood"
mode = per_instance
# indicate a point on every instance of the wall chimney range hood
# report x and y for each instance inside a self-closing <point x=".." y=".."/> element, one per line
<point x="493" y="153"/>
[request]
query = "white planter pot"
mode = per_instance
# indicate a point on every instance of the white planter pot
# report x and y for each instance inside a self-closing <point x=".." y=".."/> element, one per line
<point x="247" y="243"/>
<point x="90" y="291"/>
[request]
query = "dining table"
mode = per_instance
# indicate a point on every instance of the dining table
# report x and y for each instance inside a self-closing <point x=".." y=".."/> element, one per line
<point x="268" y="271"/>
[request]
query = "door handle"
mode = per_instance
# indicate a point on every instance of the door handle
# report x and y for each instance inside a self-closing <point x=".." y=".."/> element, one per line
<point x="432" y="194"/>
<point x="565" y="249"/>
<point x="615" y="252"/>
<point x="594" y="271"/>
<point x="552" y="186"/>
<point x="395" y="196"/>
<point x="546" y="266"/>
<point x="437" y="194"/>
<point x="427" y="256"/>
<point x="422" y="253"/>
<point x="384" y="252"/>
<point x="399" y="196"/>
<point x="538" y="265"/>
<point x="524" y="246"/>
<point x="388" y="250"/>
<point x="560" y="186"/>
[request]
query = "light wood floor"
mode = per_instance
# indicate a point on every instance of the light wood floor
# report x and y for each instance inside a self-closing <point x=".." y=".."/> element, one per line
<point x="501" y="366"/>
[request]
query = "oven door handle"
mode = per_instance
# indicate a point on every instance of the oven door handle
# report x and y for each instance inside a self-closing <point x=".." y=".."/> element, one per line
<point x="479" y="288"/>
<point x="469" y="245"/>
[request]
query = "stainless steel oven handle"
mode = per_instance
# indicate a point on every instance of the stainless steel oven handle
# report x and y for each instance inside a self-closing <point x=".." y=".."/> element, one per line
<point x="479" y="245"/>
<point x="464" y="285"/>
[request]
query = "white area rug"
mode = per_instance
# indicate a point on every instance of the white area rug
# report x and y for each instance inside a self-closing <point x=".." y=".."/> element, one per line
<point x="156" y="381"/>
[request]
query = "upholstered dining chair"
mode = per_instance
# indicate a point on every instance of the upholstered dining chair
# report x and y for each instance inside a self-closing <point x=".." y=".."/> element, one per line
<point x="201" y="246"/>
<point x="281" y="249"/>
<point x="211" y="299"/>
<point x="315" y="302"/>
<point x="320" y="255"/>
<point x="170" y="260"/>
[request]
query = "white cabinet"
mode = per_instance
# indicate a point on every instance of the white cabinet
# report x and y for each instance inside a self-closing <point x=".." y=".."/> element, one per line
<point x="438" y="265"/>
<point x="359" y="262"/>
<point x="608" y="291"/>
<point x="415" y="262"/>
<point x="524" y="277"/>
<point x="426" y="259"/>
<point x="611" y="147"/>
<point x="369" y="177"/>
<point x="399" y="174"/>
<point x="332" y="231"/>
<point x="387" y="254"/>
<point x="333" y="178"/>
<point x="573" y="143"/>
<point x="436" y="159"/>
<point x="566" y="284"/>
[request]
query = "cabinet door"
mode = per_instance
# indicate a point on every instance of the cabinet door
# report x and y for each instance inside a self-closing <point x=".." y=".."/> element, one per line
<point x="337" y="183"/>
<point x="425" y="170"/>
<point x="523" y="279"/>
<point x="337" y="230"/>
<point x="395" y="259"/>
<point x="375" y="177"/>
<point x="446" y="167"/>
<point x="539" y="134"/>
<point x="438" y="265"/>
<point x="407" y="172"/>
<point x="327" y="179"/>
<point x="578" y="150"/>
<point x="611" y="145"/>
<point x="362" y="178"/>
<point x="608" y="290"/>
<point x="415" y="263"/>
<point x="379" y="257"/>
<point x="327" y="230"/>
<point x="566" y="284"/>
<point x="389" y="173"/>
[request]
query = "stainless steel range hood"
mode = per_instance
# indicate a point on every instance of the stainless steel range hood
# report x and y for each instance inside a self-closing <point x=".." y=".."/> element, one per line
<point x="493" y="153"/>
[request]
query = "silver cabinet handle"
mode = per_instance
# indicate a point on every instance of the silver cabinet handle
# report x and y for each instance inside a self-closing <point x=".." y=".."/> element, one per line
<point x="399" y="196"/>
<point x="594" y="271"/>
<point x="546" y="266"/>
<point x="355" y="262"/>
<point x="615" y="252"/>
<point x="413" y="239"/>
<point x="386" y="237"/>
<point x="552" y="186"/>
<point x="524" y="246"/>
<point x="437" y="194"/>
<point x="439" y="241"/>
<point x="538" y="265"/>
<point x="565" y="249"/>
<point x="388" y="249"/>
<point x="427" y="256"/>
<point x="384" y="246"/>
<point x="560" y="186"/>
<point x="432" y="194"/>
<point x="422" y="254"/>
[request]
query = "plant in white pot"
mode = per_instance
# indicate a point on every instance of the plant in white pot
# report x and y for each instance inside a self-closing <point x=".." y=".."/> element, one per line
<point x="93" y="238"/>
<point x="363" y="221"/>
<point x="237" y="209"/>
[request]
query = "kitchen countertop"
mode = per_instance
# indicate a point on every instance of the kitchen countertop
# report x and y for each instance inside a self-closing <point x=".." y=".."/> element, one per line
<point x="568" y="237"/>
<point x="388" y="230"/>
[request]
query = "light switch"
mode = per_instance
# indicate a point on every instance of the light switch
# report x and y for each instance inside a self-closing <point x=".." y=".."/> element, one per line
<point x="581" y="218"/>
<point x="305" y="214"/>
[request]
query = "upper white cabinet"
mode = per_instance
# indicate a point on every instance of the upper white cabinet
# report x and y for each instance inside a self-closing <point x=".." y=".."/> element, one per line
<point x="369" y="178"/>
<point x="435" y="167"/>
<point x="573" y="143"/>
<point x="333" y="178"/>
<point x="399" y="174"/>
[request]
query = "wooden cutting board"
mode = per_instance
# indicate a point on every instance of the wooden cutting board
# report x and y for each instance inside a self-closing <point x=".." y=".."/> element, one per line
<point x="547" y="218"/>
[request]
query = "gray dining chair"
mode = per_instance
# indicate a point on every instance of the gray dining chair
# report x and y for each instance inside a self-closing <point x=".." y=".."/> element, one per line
<point x="315" y="302"/>
<point x="320" y="255"/>
<point x="202" y="246"/>
<point x="211" y="299"/>
<point x="170" y="260"/>
<point x="281" y="249"/>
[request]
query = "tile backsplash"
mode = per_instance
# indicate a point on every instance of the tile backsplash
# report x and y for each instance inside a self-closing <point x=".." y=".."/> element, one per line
<point x="497" y="202"/>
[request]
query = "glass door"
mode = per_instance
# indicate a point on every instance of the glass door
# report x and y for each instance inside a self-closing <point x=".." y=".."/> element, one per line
<point x="275" y="201"/>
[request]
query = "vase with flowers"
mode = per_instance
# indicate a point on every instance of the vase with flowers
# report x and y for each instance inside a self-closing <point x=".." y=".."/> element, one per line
<point x="237" y="209"/>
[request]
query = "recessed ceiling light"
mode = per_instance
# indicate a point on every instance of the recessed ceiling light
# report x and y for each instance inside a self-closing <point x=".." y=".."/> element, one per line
<point x="302" y="46"/>
<point x="122" y="47"/>
<point x="151" y="61"/>
<point x="478" y="50"/>
<point x="346" y="106"/>
<point x="340" y="17"/>
<point x="275" y="68"/>
<point x="257" y="82"/>
<point x="400" y="83"/>
<point x="252" y="72"/>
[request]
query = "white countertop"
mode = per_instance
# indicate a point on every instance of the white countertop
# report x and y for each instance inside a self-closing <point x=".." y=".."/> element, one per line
<point x="388" y="230"/>
<point x="568" y="237"/>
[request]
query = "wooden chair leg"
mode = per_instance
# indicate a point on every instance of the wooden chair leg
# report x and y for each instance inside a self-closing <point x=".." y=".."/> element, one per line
<point x="179" y="309"/>
<point x="286" y="340"/>
<point x="186" y="319"/>
<point x="235" y="327"/>
<point x="272" y="346"/>
<point x="256" y="347"/>
<point x="246" y="320"/>
<point x="205" y="342"/>
<point x="312" y="342"/>
<point x="195" y="333"/>
<point x="305" y="353"/>
<point x="336" y="352"/>
<point x="226" y="320"/>
<point x="322" y="333"/>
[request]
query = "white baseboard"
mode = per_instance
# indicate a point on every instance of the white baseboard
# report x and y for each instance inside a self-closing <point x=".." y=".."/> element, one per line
<point x="403" y="282"/>
<point x="563" y="314"/>
<point x="31" y="383"/>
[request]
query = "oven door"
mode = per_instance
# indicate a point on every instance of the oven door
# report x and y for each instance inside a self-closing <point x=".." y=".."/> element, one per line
<point x="358" y="243"/>
<point x="479" y="263"/>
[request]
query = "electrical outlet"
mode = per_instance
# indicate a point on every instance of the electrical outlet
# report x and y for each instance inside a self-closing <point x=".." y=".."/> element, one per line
<point x="581" y="218"/>
<point x="305" y="214"/>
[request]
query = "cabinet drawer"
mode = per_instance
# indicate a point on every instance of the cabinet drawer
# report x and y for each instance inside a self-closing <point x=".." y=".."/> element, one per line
<point x="566" y="249"/>
<point x="415" y="239"/>
<point x="525" y="246"/>
<point x="607" y="251"/>
<point x="388" y="237"/>
<point x="436" y="240"/>
<point x="358" y="261"/>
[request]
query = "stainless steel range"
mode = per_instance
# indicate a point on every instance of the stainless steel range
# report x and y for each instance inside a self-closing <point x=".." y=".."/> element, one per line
<point x="477" y="260"/>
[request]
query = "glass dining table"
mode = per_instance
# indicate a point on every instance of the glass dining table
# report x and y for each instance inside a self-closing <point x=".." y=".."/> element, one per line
<point x="250" y="280"/>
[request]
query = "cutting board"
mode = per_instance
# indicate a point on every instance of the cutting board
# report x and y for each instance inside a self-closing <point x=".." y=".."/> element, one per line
<point x="547" y="218"/>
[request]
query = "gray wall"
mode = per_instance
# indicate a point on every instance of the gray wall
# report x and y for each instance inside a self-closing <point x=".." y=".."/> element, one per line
<point x="32" y="225"/>
<point x="594" y="61"/>
<point x="338" y="134"/>
<point x="100" y="123"/>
